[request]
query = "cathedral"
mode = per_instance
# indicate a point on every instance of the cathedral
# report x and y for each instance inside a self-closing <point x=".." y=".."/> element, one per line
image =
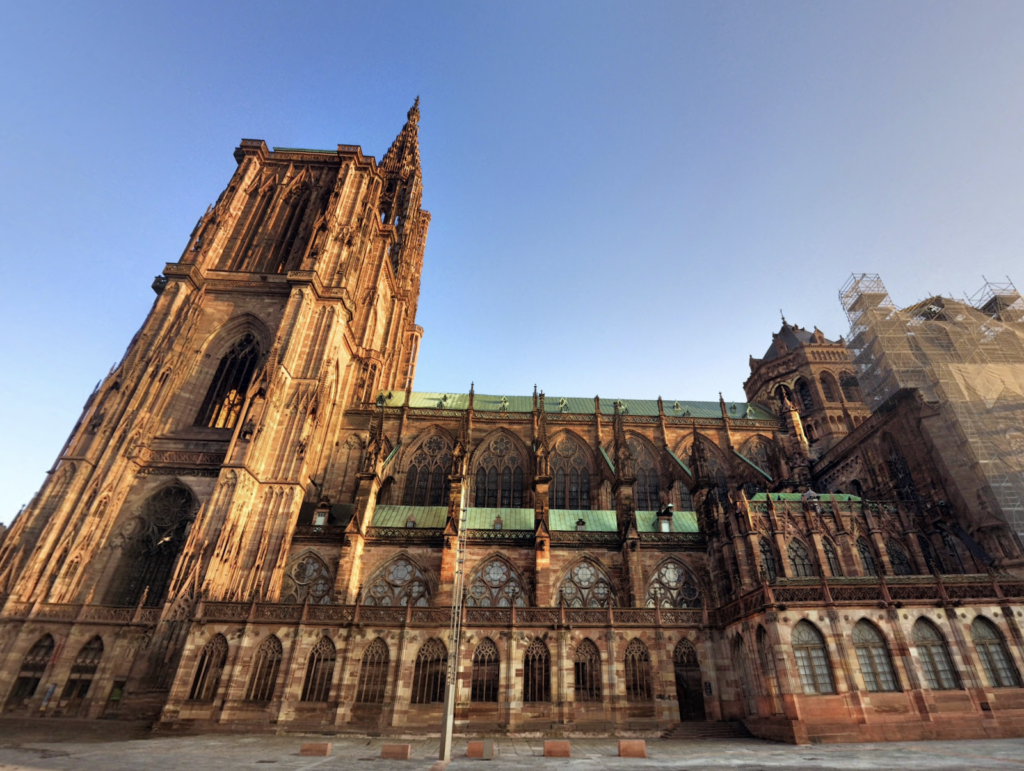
<point x="258" y="525"/>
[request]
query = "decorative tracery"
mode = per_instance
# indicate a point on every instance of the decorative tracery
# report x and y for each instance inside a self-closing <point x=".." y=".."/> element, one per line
<point x="485" y="676"/>
<point x="151" y="541"/>
<point x="211" y="666"/>
<point x="647" y="488"/>
<point x="426" y="480"/>
<point x="429" y="676"/>
<point x="265" y="666"/>
<point x="873" y="656"/>
<point x="308" y="579"/>
<point x="319" y="671"/>
<point x="799" y="559"/>
<point x="639" y="679"/>
<point x="537" y="672"/>
<point x="586" y="664"/>
<point x="570" y="484"/>
<point x="496" y="585"/>
<point x="373" y="673"/>
<point x="84" y="669"/>
<point x="32" y="668"/>
<point x="400" y="582"/>
<point x="499" y="475"/>
<point x="673" y="586"/>
<point x="586" y="586"/>
<point x="226" y="394"/>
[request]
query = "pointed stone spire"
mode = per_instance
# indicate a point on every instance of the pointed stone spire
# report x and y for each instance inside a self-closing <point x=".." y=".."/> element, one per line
<point x="404" y="153"/>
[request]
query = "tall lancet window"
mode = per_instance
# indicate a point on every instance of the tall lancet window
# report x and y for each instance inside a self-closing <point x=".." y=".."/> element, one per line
<point x="224" y="398"/>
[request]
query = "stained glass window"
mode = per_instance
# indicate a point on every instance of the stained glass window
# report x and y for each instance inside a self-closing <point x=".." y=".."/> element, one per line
<point x="400" y="582"/>
<point x="673" y="586"/>
<point x="495" y="585"/>
<point x="586" y="586"/>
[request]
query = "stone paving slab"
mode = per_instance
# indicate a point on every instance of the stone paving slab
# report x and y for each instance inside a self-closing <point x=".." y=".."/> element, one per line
<point x="34" y="750"/>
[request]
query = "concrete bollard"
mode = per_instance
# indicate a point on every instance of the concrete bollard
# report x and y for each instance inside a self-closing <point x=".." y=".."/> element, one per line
<point x="316" y="749"/>
<point x="396" y="751"/>
<point x="556" y="749"/>
<point x="632" y="748"/>
<point x="481" y="749"/>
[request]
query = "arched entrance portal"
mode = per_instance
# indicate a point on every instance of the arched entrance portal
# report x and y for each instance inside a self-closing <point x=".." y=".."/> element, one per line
<point x="688" y="682"/>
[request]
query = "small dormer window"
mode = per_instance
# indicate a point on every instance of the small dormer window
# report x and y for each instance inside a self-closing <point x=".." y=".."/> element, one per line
<point x="666" y="525"/>
<point x="410" y="523"/>
<point x="497" y="523"/>
<point x="320" y="517"/>
<point x="581" y="525"/>
<point x="664" y="520"/>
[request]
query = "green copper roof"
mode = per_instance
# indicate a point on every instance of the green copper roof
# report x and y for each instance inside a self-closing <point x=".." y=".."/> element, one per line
<point x="304" y="150"/>
<point x="387" y="515"/>
<point x="511" y="519"/>
<point x="599" y="521"/>
<point x="682" y="521"/>
<point x="572" y="405"/>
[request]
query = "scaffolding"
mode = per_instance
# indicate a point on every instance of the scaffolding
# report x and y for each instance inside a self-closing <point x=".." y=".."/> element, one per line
<point x="964" y="356"/>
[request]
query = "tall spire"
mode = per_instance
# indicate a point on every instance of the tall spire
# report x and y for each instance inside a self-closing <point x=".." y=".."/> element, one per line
<point x="404" y="153"/>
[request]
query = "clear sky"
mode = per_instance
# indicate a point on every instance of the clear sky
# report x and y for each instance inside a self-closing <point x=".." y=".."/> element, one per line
<point x="623" y="195"/>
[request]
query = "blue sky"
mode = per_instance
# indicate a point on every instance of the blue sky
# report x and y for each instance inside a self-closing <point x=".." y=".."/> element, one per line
<point x="623" y="195"/>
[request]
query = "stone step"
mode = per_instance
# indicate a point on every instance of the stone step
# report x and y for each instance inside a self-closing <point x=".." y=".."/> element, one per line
<point x="697" y="730"/>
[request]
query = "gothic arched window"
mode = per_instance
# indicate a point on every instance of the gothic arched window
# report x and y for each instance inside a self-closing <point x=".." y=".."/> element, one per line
<point x="689" y="690"/>
<point x="211" y="666"/>
<point x="768" y="560"/>
<point x="586" y="664"/>
<point x="486" y="667"/>
<point x="673" y="586"/>
<point x="804" y="392"/>
<point x="151" y="542"/>
<point x="319" y="671"/>
<point x="647" y="488"/>
<point x="898" y="559"/>
<point x="933" y="653"/>
<point x="308" y="578"/>
<point x="639" y="679"/>
<point x="226" y="394"/>
<point x="873" y="655"/>
<point x="851" y="389"/>
<point x="828" y="387"/>
<point x="570" y="471"/>
<point x="426" y="479"/>
<point x="84" y="670"/>
<point x="995" y="658"/>
<point x="899" y="471"/>
<point x="265" y="666"/>
<point x="812" y="659"/>
<point x="400" y="582"/>
<point x="867" y="558"/>
<point x="956" y="564"/>
<point x="496" y="585"/>
<point x="32" y="668"/>
<point x="586" y="586"/>
<point x="537" y="672"/>
<point x="799" y="559"/>
<point x="373" y="673"/>
<point x="834" y="566"/>
<point x="431" y="671"/>
<point x="499" y="475"/>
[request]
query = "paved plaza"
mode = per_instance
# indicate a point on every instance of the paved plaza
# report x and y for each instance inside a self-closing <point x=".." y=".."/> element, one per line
<point x="49" y="746"/>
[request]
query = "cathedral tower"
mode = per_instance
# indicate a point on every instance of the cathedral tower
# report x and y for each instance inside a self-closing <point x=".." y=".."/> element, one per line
<point x="294" y="298"/>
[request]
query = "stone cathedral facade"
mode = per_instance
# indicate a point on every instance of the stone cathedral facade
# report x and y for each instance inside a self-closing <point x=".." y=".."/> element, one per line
<point x="255" y="524"/>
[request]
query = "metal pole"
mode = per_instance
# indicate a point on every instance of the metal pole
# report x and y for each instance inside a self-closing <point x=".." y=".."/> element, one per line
<point x="454" y="639"/>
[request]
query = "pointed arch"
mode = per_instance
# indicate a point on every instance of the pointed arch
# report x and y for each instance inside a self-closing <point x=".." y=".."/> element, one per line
<point x="83" y="670"/>
<point x="812" y="659"/>
<point x="674" y="585"/>
<point x="933" y="653"/>
<point x="873" y="656"/>
<point x="399" y="581"/>
<point x="431" y="670"/>
<point x="572" y="469"/>
<point x="689" y="691"/>
<point x="373" y="673"/>
<point x="428" y="464"/>
<point x="829" y="387"/>
<point x="33" y="667"/>
<point x="800" y="559"/>
<point x="898" y="558"/>
<point x="639" y="678"/>
<point x="320" y="671"/>
<point x="766" y="658"/>
<point x="485" y="675"/>
<point x="537" y="672"/>
<point x="584" y="583"/>
<point x="835" y="567"/>
<point x="497" y="468"/>
<point x="209" y="670"/>
<point x="496" y="583"/>
<point x="586" y="662"/>
<point x="151" y="541"/>
<point x="995" y="656"/>
<point x="307" y="579"/>
<point x="265" y="667"/>
<point x="867" y="557"/>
